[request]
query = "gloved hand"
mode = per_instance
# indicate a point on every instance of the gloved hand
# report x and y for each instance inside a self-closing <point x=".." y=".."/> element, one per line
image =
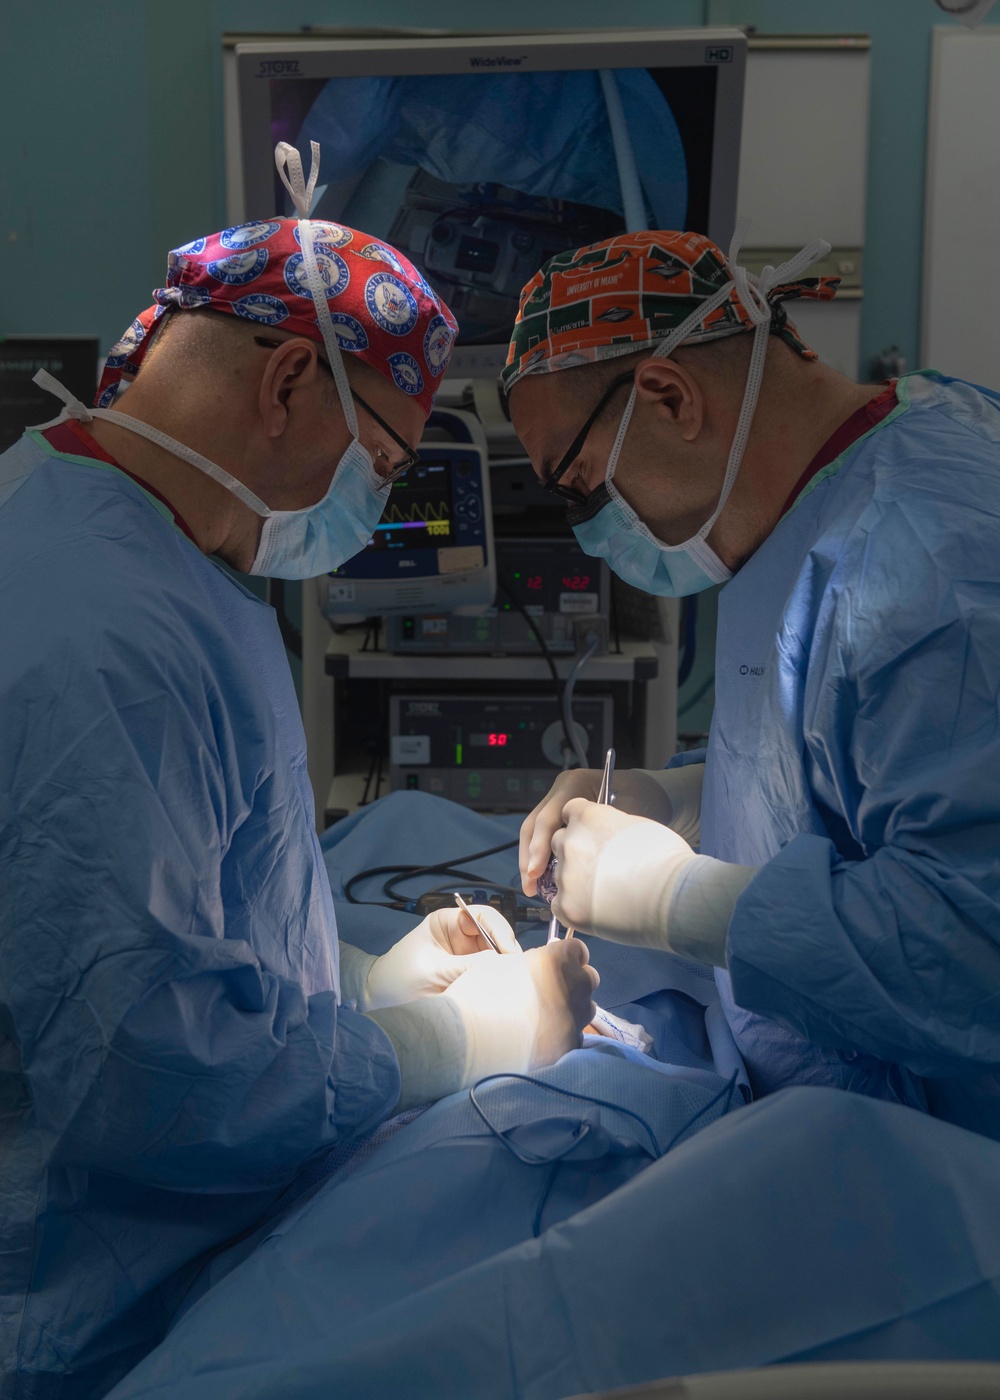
<point x="506" y="1014"/>
<point x="634" y="881"/>
<point x="424" y="961"/>
<point x="671" y="796"/>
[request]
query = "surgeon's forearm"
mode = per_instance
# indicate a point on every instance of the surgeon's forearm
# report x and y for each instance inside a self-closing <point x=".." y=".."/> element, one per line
<point x="637" y="792"/>
<point x="431" y="1045"/>
<point x="681" y="789"/>
<point x="649" y="889"/>
<point x="670" y="796"/>
<point x="485" y="1023"/>
<point x="701" y="906"/>
<point x="354" y="969"/>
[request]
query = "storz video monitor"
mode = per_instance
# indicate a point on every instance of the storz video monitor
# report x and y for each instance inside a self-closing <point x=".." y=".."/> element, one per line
<point x="481" y="158"/>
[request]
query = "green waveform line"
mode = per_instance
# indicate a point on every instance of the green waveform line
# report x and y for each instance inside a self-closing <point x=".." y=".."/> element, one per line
<point x="395" y="516"/>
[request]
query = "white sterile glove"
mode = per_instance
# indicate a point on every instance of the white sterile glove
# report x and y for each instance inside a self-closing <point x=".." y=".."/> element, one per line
<point x="506" y="1014"/>
<point x="671" y="796"/>
<point x="424" y="961"/>
<point x="682" y="789"/>
<point x="634" y="881"/>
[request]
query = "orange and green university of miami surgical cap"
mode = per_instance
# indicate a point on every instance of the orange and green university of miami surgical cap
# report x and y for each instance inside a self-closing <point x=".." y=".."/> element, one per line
<point x="629" y="292"/>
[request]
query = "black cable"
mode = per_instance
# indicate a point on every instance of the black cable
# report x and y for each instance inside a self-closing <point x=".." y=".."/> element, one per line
<point x="453" y="871"/>
<point x="381" y="691"/>
<point x="377" y="749"/>
<point x="547" y="654"/>
<point x="442" y="868"/>
<point x="615" y="628"/>
<point x="439" y="868"/>
<point x="368" y="781"/>
<point x="689" y="625"/>
<point x="372" y="626"/>
<point x="475" y="881"/>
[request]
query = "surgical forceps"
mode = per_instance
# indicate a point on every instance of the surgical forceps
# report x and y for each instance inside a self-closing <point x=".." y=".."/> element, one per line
<point x="478" y="923"/>
<point x="605" y="797"/>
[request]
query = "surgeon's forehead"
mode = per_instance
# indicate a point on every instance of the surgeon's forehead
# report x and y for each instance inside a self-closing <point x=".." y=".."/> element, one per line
<point x="545" y="417"/>
<point x="537" y="400"/>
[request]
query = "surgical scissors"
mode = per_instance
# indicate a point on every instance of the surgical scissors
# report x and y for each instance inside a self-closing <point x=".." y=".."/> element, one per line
<point x="605" y="797"/>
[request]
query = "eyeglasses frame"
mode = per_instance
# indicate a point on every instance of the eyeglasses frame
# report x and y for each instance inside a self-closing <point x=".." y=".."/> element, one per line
<point x="554" y="481"/>
<point x="412" y="455"/>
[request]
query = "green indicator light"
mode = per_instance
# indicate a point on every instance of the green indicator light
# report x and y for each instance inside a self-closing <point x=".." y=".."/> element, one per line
<point x="458" y="755"/>
<point x="517" y="575"/>
<point x="522" y="725"/>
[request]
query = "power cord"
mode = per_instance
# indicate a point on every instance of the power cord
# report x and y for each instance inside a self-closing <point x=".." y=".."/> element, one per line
<point x="377" y="750"/>
<point x="572" y="745"/>
<point x="567" y="701"/>
<point x="368" y="780"/>
<point x="448" y="867"/>
<point x="689" y="627"/>
<point x="390" y="887"/>
<point x="373" y="626"/>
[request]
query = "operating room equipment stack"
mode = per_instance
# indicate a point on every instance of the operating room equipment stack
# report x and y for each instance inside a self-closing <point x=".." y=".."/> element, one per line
<point x="487" y="706"/>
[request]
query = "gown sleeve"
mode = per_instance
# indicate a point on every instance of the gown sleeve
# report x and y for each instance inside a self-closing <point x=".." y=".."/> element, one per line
<point x="897" y="953"/>
<point x="154" y="1044"/>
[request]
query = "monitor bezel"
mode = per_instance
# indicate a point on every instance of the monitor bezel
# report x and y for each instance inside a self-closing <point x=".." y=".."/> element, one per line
<point x="248" y="110"/>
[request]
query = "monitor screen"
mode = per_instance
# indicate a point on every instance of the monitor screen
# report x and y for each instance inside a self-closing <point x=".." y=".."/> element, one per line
<point x="482" y="158"/>
<point x="419" y="511"/>
<point x="481" y="179"/>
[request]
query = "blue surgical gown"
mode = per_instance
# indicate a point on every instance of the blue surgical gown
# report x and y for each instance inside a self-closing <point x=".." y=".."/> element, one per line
<point x="855" y="757"/>
<point x="171" y="1046"/>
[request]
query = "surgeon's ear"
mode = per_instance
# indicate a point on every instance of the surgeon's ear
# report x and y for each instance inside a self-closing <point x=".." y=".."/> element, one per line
<point x="292" y="366"/>
<point x="671" y="392"/>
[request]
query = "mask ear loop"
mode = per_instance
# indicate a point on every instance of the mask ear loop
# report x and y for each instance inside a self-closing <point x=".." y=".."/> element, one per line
<point x="289" y="164"/>
<point x="82" y="414"/>
<point x="662" y="350"/>
<point x="753" y="293"/>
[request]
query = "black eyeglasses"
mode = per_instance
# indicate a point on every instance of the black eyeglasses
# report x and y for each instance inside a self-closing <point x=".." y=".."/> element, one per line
<point x="410" y="456"/>
<point x="554" y="482"/>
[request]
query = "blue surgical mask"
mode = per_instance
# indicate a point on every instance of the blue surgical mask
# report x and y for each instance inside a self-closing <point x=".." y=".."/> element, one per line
<point x="607" y="527"/>
<point x="309" y="542"/>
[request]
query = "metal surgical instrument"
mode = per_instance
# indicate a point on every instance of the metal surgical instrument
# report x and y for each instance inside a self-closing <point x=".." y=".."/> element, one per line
<point x="478" y="923"/>
<point x="605" y="797"/>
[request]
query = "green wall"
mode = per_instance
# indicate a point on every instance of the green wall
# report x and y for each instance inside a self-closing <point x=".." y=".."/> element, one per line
<point x="111" y="116"/>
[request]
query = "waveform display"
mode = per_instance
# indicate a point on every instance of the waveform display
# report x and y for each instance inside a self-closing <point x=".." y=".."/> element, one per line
<point x="418" y="514"/>
<point x="421" y="513"/>
<point x="433" y="527"/>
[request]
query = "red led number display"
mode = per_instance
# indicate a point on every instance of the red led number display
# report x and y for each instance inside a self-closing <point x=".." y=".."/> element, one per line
<point x="497" y="741"/>
<point x="577" y="583"/>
